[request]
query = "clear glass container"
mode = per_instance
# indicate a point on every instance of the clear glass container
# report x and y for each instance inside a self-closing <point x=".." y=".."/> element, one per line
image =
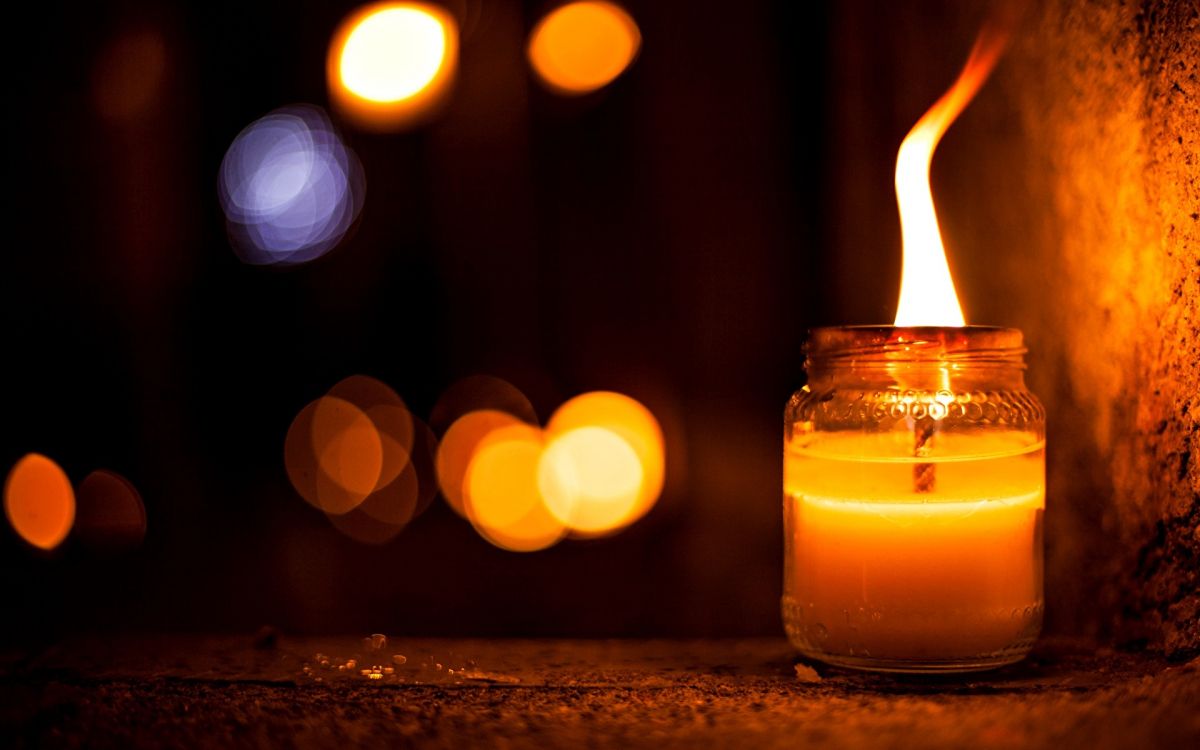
<point x="913" y="494"/>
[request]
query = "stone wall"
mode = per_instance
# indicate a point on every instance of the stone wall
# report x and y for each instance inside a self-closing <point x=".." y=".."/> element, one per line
<point x="1108" y="100"/>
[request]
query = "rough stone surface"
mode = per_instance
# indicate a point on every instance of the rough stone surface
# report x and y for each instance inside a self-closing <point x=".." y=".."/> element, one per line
<point x="224" y="693"/>
<point x="1108" y="96"/>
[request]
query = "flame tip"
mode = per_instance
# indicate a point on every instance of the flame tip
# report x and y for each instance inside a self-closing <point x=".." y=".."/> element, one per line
<point x="927" y="294"/>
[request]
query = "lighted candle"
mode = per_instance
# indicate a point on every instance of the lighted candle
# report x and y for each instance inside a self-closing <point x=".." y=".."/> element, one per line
<point x="914" y="483"/>
<point x="914" y="463"/>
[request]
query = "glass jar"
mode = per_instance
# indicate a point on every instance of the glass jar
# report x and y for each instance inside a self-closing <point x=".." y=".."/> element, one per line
<point x="913" y="494"/>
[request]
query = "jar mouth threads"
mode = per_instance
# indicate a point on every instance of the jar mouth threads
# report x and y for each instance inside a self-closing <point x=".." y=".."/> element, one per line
<point x="884" y="346"/>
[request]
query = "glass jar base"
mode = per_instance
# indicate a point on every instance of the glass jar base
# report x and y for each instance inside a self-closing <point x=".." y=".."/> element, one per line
<point x="917" y="666"/>
<point x="913" y="645"/>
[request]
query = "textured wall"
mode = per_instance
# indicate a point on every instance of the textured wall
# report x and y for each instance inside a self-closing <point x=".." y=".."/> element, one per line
<point x="1108" y="99"/>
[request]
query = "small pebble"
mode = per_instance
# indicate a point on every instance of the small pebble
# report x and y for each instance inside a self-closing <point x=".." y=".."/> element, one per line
<point x="805" y="673"/>
<point x="267" y="637"/>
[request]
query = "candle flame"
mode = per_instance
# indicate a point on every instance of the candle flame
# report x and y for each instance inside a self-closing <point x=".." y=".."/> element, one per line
<point x="927" y="296"/>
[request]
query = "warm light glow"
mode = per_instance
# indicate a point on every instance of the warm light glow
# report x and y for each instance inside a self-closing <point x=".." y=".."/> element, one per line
<point x="347" y="444"/>
<point x="39" y="501"/>
<point x="360" y="456"/>
<point x="596" y="468"/>
<point x="458" y="447"/>
<point x="501" y="494"/>
<point x="333" y="455"/>
<point x="393" y="53"/>
<point x="390" y="417"/>
<point x="128" y="74"/>
<point x="110" y="515"/>
<point x="390" y="62"/>
<point x="607" y="496"/>
<point x="590" y="479"/>
<point x="384" y="513"/>
<point x="583" y="46"/>
<point x="927" y="296"/>
<point x="480" y="393"/>
<point x="876" y="566"/>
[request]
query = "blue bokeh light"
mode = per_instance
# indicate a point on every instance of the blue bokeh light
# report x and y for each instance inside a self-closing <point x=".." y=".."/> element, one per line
<point x="289" y="187"/>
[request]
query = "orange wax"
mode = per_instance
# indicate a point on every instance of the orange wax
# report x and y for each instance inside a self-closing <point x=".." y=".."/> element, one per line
<point x="879" y="571"/>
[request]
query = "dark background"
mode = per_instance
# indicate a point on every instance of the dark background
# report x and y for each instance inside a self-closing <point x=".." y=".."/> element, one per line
<point x="671" y="237"/>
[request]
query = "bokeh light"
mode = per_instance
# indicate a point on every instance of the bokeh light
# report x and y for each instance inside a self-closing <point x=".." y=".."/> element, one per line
<point x="480" y="393"/>
<point x="383" y="514"/>
<point x="128" y="74"/>
<point x="588" y="486"/>
<point x="289" y="187"/>
<point x="583" y="46"/>
<point x="598" y="466"/>
<point x="390" y="64"/>
<point x="501" y="494"/>
<point x="458" y="447"/>
<point x="110" y="515"/>
<point x="388" y="414"/>
<point x="591" y="480"/>
<point x="359" y="455"/>
<point x="39" y="501"/>
<point x="392" y="53"/>
<point x="333" y="455"/>
<point x="348" y="447"/>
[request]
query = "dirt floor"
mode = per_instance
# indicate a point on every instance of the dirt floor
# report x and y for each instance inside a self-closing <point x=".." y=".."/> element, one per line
<point x="274" y="691"/>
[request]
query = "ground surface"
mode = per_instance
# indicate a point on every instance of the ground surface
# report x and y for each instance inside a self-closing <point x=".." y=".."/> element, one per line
<point x="273" y="692"/>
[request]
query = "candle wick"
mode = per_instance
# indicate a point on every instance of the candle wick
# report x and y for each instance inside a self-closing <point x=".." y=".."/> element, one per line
<point x="924" y="474"/>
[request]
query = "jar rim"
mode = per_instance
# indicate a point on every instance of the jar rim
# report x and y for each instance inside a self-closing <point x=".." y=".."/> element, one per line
<point x="877" y="343"/>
